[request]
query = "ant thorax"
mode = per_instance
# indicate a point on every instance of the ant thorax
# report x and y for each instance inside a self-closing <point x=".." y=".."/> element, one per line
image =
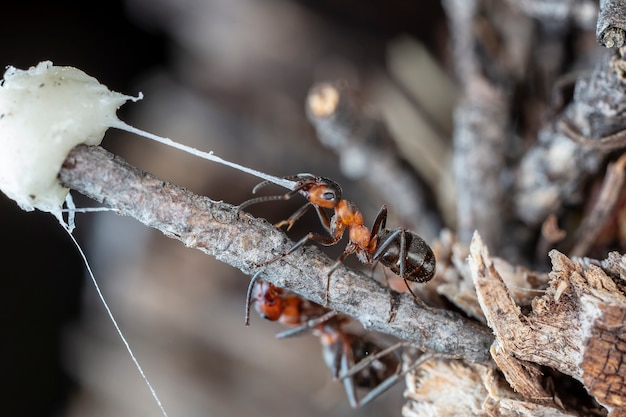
<point x="348" y="214"/>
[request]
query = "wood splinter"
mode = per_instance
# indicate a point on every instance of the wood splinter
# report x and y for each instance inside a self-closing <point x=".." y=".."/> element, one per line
<point x="577" y="327"/>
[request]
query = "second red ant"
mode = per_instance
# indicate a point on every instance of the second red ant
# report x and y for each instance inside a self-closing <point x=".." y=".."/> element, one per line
<point x="401" y="250"/>
<point x="359" y="361"/>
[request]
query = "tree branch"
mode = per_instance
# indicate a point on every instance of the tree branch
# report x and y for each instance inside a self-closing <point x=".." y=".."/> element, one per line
<point x="241" y="240"/>
<point x="487" y="69"/>
<point x="543" y="184"/>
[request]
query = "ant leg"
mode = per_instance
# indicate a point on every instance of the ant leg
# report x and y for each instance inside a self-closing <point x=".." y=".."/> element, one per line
<point x="294" y="217"/>
<point x="393" y="295"/>
<point x="349" y="249"/>
<point x="381" y="221"/>
<point x="321" y="214"/>
<point x="348" y="383"/>
<point x="402" y="256"/>
<point x="253" y="281"/>
<point x="392" y="380"/>
<point x="321" y="239"/>
<point x="323" y="218"/>
<point x="348" y="370"/>
<point x="382" y="247"/>
<point x="367" y="361"/>
<point x="294" y="331"/>
<point x="379" y="389"/>
<point x="394" y="302"/>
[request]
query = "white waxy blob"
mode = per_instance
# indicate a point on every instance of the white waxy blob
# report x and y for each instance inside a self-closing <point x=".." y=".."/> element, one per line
<point x="47" y="110"/>
<point x="44" y="112"/>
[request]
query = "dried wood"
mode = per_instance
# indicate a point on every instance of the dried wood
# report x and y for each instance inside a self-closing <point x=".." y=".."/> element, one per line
<point x="576" y="327"/>
<point x="445" y="388"/>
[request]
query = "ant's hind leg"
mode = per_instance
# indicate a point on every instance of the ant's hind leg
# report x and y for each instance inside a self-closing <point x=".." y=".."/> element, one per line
<point x="347" y="375"/>
<point x="394" y="300"/>
<point x="393" y="379"/>
<point x="336" y="265"/>
<point x="368" y="360"/>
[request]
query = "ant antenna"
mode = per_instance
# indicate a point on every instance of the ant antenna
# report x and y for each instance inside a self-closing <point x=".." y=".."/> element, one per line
<point x="253" y="281"/>
<point x="262" y="200"/>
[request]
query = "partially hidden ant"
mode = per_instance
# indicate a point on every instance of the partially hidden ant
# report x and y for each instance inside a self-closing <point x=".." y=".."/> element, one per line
<point x="401" y="250"/>
<point x="359" y="361"/>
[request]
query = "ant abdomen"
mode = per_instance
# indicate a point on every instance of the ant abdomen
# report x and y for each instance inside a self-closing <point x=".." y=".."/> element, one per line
<point x="418" y="262"/>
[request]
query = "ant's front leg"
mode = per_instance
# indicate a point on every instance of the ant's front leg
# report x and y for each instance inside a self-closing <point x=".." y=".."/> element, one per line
<point x="294" y="217"/>
<point x="300" y="212"/>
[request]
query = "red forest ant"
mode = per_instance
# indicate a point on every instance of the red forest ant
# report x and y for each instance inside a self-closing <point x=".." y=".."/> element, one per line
<point x="401" y="250"/>
<point x="359" y="361"/>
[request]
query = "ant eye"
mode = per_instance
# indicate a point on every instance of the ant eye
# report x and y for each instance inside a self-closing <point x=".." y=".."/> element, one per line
<point x="329" y="196"/>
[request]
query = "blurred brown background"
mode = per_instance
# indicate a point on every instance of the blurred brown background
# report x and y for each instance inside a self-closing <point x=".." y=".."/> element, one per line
<point x="221" y="75"/>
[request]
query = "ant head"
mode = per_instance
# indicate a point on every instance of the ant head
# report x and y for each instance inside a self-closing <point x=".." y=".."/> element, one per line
<point x="324" y="192"/>
<point x="268" y="301"/>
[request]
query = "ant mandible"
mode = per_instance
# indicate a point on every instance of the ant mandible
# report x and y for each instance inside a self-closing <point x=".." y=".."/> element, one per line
<point x="359" y="361"/>
<point x="401" y="250"/>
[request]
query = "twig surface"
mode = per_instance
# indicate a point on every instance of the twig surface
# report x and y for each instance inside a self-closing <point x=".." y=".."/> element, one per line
<point x="241" y="241"/>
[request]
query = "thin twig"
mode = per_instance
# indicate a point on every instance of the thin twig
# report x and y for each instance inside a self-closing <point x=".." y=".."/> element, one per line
<point x="481" y="119"/>
<point x="609" y="142"/>
<point x="582" y="138"/>
<point x="580" y="12"/>
<point x="241" y="241"/>
<point x="605" y="205"/>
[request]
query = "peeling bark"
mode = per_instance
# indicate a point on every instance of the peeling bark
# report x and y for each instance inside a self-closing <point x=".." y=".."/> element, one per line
<point x="450" y="388"/>
<point x="576" y="327"/>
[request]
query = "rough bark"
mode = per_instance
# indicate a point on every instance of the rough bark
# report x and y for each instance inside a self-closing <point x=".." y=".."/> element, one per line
<point x="576" y="327"/>
<point x="611" y="26"/>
